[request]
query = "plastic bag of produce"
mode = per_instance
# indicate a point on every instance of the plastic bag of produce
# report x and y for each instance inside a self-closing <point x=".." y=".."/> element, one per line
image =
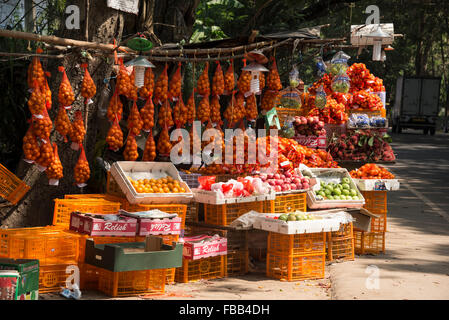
<point x="293" y="77"/>
<point x="320" y="98"/>
<point x="290" y="98"/>
<point x="341" y="83"/>
<point x="339" y="64"/>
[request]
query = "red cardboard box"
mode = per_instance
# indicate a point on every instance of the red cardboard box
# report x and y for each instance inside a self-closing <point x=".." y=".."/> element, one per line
<point x="87" y="224"/>
<point x="311" y="141"/>
<point x="159" y="226"/>
<point x="204" y="246"/>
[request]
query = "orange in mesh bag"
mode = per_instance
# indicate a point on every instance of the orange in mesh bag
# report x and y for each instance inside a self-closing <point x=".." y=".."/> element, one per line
<point x="229" y="80"/>
<point x="54" y="170"/>
<point x="203" y="87"/>
<point x="218" y="84"/>
<point x="161" y="87"/>
<point x="251" y="107"/>
<point x="273" y="79"/>
<point x="31" y="149"/>
<point x="77" y="131"/>
<point x="164" y="144"/>
<point x="65" y="94"/>
<point x="35" y="71"/>
<point x="42" y="126"/>
<point x="270" y="99"/>
<point x="132" y="95"/>
<point x="147" y="115"/>
<point x="124" y="84"/>
<point x="165" y="115"/>
<point x="244" y="81"/>
<point x="215" y="115"/>
<point x="36" y="102"/>
<point x="114" y="137"/>
<point x="191" y="108"/>
<point x="88" y="88"/>
<point x="47" y="92"/>
<point x="204" y="109"/>
<point x="148" y="86"/>
<point x="149" y="154"/>
<point x="81" y="173"/>
<point x="235" y="110"/>
<point x="135" y="122"/>
<point x="175" y="84"/>
<point x="62" y="123"/>
<point x="115" y="107"/>
<point x="46" y="155"/>
<point x="261" y="81"/>
<point x="180" y="113"/>
<point x="130" y="153"/>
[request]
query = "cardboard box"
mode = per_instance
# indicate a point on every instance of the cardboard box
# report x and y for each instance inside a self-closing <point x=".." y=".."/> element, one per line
<point x="377" y="184"/>
<point x="93" y="226"/>
<point x="313" y="142"/>
<point x="159" y="226"/>
<point x="28" y="269"/>
<point x="204" y="246"/>
<point x="119" y="257"/>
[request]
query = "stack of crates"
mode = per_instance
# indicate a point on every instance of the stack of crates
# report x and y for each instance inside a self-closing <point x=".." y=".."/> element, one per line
<point x="340" y="244"/>
<point x="205" y="268"/>
<point x="286" y="203"/>
<point x="373" y="241"/>
<point x="225" y="214"/>
<point x="295" y="257"/>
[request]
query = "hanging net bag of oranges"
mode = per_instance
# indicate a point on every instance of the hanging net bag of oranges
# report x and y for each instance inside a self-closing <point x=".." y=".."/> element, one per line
<point x="54" y="171"/>
<point x="88" y="88"/>
<point x="81" y="173"/>
<point x="65" y="93"/>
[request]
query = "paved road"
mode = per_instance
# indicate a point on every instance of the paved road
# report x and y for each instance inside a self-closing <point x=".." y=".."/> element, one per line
<point x="416" y="262"/>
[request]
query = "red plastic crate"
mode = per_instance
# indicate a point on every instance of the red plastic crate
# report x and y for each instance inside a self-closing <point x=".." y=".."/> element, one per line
<point x="286" y="203"/>
<point x="225" y="214"/>
<point x="295" y="268"/>
<point x="206" y="268"/>
<point x="340" y="244"/>
<point x="296" y="244"/>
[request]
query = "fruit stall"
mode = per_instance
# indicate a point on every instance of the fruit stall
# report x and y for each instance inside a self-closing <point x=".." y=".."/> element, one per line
<point x="160" y="222"/>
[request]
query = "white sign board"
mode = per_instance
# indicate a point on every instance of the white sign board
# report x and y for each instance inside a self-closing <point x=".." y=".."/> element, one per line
<point x="130" y="6"/>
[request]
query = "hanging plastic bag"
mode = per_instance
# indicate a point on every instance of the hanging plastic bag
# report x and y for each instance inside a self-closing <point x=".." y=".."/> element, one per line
<point x="341" y="83"/>
<point x="149" y="154"/>
<point x="229" y="79"/>
<point x="161" y="87"/>
<point x="320" y="98"/>
<point x="115" y="107"/>
<point x="288" y="130"/>
<point x="273" y="79"/>
<point x="65" y="94"/>
<point x="206" y="182"/>
<point x="293" y="77"/>
<point x="204" y="109"/>
<point x="81" y="172"/>
<point x="46" y="155"/>
<point x="88" y="88"/>
<point x="77" y="131"/>
<point x="165" y="116"/>
<point x="218" y="84"/>
<point x="321" y="67"/>
<point x="31" y="149"/>
<point x="130" y="153"/>
<point x="135" y="122"/>
<point x="339" y="64"/>
<point x="175" y="84"/>
<point x="147" y="115"/>
<point x="148" y="86"/>
<point x="54" y="170"/>
<point x="203" y="86"/>
<point x="114" y="137"/>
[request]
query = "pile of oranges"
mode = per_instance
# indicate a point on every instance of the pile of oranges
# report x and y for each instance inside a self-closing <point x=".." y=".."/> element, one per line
<point x="371" y="171"/>
<point x="162" y="185"/>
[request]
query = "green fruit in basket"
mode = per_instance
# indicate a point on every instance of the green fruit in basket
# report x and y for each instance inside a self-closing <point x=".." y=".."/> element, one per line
<point x="321" y="193"/>
<point x="355" y="198"/>
<point x="345" y="186"/>
<point x="328" y="192"/>
<point x="330" y="197"/>
<point x="299" y="217"/>
<point x="337" y="192"/>
<point x="337" y="198"/>
<point x="346" y="180"/>
<point x="354" y="192"/>
<point x="283" y="217"/>
<point x="291" y="217"/>
<point x="345" y="192"/>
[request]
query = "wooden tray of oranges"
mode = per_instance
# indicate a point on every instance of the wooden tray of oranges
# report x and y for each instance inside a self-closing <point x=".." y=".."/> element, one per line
<point x="151" y="182"/>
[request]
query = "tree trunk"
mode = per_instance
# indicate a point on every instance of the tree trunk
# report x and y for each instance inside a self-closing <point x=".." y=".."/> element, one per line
<point x="105" y="24"/>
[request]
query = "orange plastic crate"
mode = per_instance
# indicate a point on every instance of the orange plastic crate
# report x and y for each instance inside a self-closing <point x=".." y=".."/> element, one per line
<point x="375" y="201"/>
<point x="48" y="245"/>
<point x="237" y="263"/>
<point x="64" y="207"/>
<point x="53" y="277"/>
<point x="179" y="209"/>
<point x="296" y="244"/>
<point x="11" y="187"/>
<point x="369" y="242"/>
<point x="96" y="196"/>
<point x="89" y="276"/>
<point x="192" y="212"/>
<point x="258" y="254"/>
<point x="131" y="283"/>
<point x="340" y="244"/>
<point x="295" y="268"/>
<point x="286" y="203"/>
<point x="206" y="268"/>
<point x="224" y="214"/>
<point x="113" y="188"/>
